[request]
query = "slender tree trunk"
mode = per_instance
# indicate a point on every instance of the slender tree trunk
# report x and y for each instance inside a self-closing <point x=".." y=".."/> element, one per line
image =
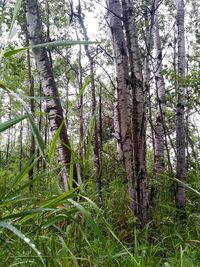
<point x="100" y="120"/>
<point x="80" y="114"/>
<point x="122" y="119"/>
<point x="40" y="160"/>
<point x="138" y="112"/>
<point x="160" y="92"/>
<point x="54" y="108"/>
<point x="46" y="138"/>
<point x="93" y="87"/>
<point x="180" y="110"/>
<point x="32" y="104"/>
<point x="9" y="132"/>
<point x="21" y="142"/>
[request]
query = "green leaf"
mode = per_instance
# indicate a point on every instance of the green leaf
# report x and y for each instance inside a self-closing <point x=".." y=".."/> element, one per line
<point x="30" y="182"/>
<point x="37" y="136"/>
<point x="15" y="14"/>
<point x="87" y="82"/>
<point x="66" y="251"/>
<point x="12" y="201"/>
<point x="21" y="175"/>
<point x="63" y="43"/>
<point x="186" y="185"/>
<point x="88" y="218"/>
<point x="34" y="128"/>
<point x="54" y="140"/>
<point x="57" y="199"/>
<point x="25" y="213"/>
<point x="7" y="124"/>
<point x="51" y="203"/>
<point x="14" y="51"/>
<point x="13" y="229"/>
<point x="2" y="86"/>
<point x="54" y="220"/>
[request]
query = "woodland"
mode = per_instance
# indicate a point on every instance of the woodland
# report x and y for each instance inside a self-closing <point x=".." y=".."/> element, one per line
<point x="99" y="133"/>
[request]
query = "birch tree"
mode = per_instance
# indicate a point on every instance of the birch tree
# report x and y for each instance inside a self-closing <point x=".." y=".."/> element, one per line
<point x="138" y="111"/>
<point x="180" y="110"/>
<point x="160" y="92"/>
<point x="122" y="116"/>
<point x="53" y="104"/>
<point x="94" y="103"/>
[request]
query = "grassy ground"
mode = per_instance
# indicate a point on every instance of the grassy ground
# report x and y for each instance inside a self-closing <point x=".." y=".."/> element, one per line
<point x="46" y="227"/>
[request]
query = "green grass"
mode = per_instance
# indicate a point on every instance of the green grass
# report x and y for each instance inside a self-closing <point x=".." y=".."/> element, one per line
<point x="70" y="230"/>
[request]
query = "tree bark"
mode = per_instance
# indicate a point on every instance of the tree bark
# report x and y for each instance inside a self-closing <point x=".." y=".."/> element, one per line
<point x="122" y="116"/>
<point x="32" y="105"/>
<point x="138" y="112"/>
<point x="54" y="109"/>
<point x="9" y="131"/>
<point x="160" y="92"/>
<point x="93" y="87"/>
<point x="180" y="110"/>
<point x="81" y="119"/>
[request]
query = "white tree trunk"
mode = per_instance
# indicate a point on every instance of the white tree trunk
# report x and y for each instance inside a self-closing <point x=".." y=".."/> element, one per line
<point x="54" y="109"/>
<point x="180" y="120"/>
<point x="160" y="91"/>
<point x="122" y="119"/>
<point x="138" y="113"/>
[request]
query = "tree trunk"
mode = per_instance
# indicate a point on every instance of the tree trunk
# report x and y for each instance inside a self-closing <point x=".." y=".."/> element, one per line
<point x="9" y="132"/>
<point x="54" y="109"/>
<point x="80" y="115"/>
<point x="122" y="119"/>
<point x="40" y="160"/>
<point x="93" y="87"/>
<point x="160" y="92"/>
<point x="180" y="110"/>
<point x="32" y="104"/>
<point x="138" y="112"/>
<point x="21" y="142"/>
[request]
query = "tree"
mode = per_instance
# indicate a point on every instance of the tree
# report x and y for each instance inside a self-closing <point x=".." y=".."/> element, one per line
<point x="94" y="103"/>
<point x="180" y="110"/>
<point x="138" y="111"/>
<point x="130" y="110"/>
<point x="53" y="104"/>
<point x="122" y="116"/>
<point x="160" y="92"/>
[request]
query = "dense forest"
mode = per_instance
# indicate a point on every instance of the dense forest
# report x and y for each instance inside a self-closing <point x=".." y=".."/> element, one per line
<point x="99" y="133"/>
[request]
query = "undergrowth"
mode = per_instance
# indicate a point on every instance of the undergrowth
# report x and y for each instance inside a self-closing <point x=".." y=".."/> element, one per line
<point x="68" y="229"/>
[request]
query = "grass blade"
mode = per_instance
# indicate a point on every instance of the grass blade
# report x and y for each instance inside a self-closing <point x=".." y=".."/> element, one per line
<point x="88" y="218"/>
<point x="15" y="14"/>
<point x="21" y="175"/>
<point x="13" y="229"/>
<point x="7" y="124"/>
<point x="22" y="214"/>
<point x="87" y="82"/>
<point x="62" y="43"/>
<point x="34" y="128"/>
<point x="54" y="140"/>
<point x="186" y="185"/>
